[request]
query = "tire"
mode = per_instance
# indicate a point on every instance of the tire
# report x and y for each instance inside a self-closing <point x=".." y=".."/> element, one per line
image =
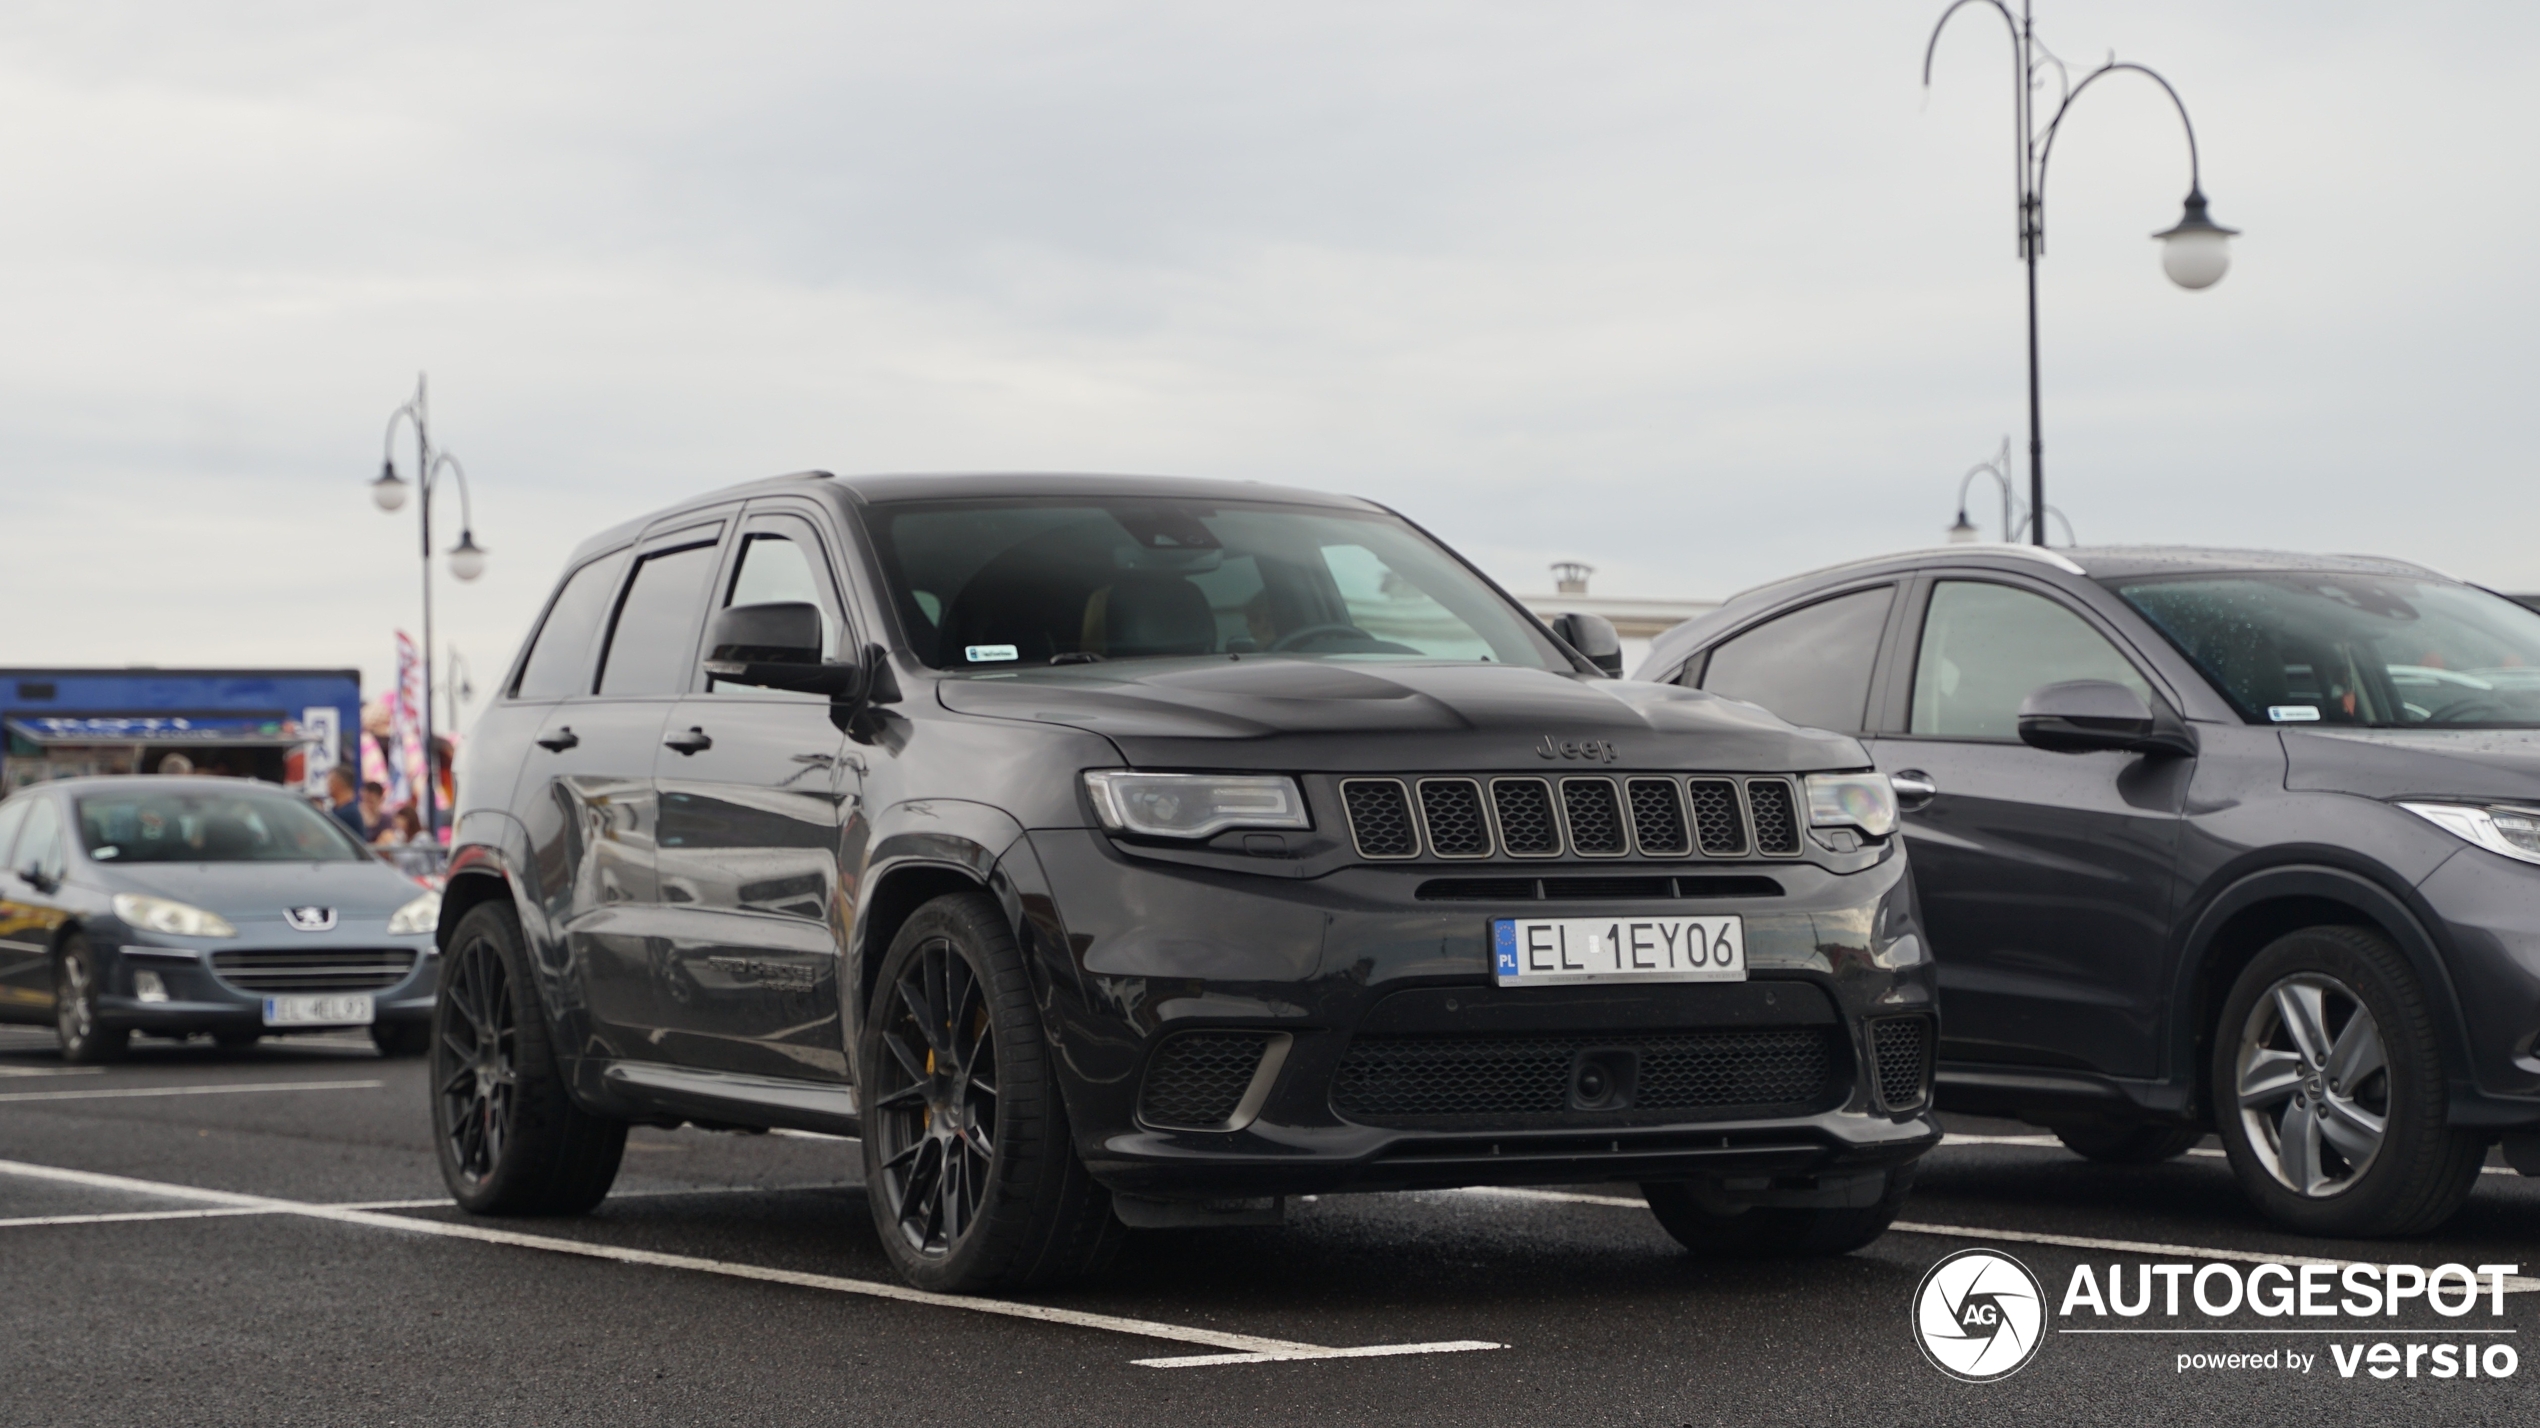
<point x="506" y="1131"/>
<point x="968" y="1164"/>
<point x="236" y="1040"/>
<point x="2295" y="1055"/>
<point x="401" y="1038"/>
<point x="2129" y="1142"/>
<point x="77" y="983"/>
<point x="1768" y="1233"/>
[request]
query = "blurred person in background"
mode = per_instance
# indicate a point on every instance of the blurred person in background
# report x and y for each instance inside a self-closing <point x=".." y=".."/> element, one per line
<point x="343" y="803"/>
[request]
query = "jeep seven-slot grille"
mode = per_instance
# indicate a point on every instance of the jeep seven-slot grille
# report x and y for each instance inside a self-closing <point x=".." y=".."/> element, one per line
<point x="1581" y="815"/>
<point x="1432" y="1080"/>
<point x="1901" y="1047"/>
<point x="328" y="969"/>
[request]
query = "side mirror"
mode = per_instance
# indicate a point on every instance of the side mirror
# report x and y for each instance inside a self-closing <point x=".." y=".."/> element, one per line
<point x="2088" y="715"/>
<point x="1594" y="637"/>
<point x="777" y="646"/>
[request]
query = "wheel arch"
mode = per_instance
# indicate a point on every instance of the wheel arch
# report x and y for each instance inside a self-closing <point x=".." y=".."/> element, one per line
<point x="922" y="850"/>
<point x="2258" y="907"/>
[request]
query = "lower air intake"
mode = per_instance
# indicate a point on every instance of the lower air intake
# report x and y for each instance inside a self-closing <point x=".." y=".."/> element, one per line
<point x="1901" y="1045"/>
<point x="1197" y="1080"/>
<point x="1416" y="1081"/>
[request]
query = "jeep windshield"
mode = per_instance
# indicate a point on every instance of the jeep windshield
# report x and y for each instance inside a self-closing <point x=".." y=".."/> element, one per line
<point x="996" y="583"/>
<point x="2315" y="647"/>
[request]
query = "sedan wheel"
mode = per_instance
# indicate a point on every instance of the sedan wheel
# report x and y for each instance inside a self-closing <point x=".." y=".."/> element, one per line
<point x="76" y="1025"/>
<point x="2314" y="1084"/>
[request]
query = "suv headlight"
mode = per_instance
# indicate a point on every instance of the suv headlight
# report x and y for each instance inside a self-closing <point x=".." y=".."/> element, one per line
<point x="1852" y="800"/>
<point x="1159" y="805"/>
<point x="421" y="915"/>
<point x="159" y="914"/>
<point x="2501" y="828"/>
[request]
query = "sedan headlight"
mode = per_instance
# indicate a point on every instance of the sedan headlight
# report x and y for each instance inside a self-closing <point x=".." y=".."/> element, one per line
<point x="1852" y="800"/>
<point x="421" y="915"/>
<point x="1160" y="805"/>
<point x="159" y="914"/>
<point x="2500" y="828"/>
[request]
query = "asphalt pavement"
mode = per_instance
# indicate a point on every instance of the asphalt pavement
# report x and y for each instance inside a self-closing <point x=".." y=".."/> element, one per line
<point x="261" y="1238"/>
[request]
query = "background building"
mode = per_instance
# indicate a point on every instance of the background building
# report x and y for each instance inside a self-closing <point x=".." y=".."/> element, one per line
<point x="286" y="726"/>
<point x="1637" y="621"/>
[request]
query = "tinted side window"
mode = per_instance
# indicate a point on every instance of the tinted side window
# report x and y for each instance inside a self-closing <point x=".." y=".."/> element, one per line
<point x="560" y="653"/>
<point x="1986" y="646"/>
<point x="653" y="645"/>
<point x="1811" y="666"/>
<point x="39" y="847"/>
<point x="12" y="814"/>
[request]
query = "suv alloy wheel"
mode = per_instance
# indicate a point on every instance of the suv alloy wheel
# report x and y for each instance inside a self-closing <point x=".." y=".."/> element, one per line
<point x="2329" y="1089"/>
<point x="968" y="1166"/>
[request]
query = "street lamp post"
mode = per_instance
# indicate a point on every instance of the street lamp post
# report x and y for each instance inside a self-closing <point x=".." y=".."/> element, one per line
<point x="467" y="558"/>
<point x="2195" y="251"/>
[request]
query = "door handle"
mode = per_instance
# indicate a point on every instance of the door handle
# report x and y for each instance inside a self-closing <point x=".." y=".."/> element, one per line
<point x="560" y="740"/>
<point x="692" y="742"/>
<point x="1914" y="788"/>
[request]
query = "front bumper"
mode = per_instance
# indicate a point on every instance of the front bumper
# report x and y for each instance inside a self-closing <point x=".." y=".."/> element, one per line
<point x="199" y="997"/>
<point x="1138" y="952"/>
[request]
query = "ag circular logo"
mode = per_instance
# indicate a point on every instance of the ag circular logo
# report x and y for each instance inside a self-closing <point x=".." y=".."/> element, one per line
<point x="1979" y="1315"/>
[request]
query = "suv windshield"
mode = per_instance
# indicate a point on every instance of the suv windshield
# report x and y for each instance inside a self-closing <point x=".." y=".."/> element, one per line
<point x="212" y="826"/>
<point x="2377" y="651"/>
<point x="987" y="583"/>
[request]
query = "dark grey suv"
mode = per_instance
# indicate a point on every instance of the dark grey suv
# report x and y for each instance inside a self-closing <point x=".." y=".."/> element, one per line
<point x="1113" y="851"/>
<point x="2204" y="838"/>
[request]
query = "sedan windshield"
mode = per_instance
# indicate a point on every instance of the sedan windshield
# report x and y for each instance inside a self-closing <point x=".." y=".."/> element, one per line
<point x="2375" y="651"/>
<point x="983" y="584"/>
<point x="158" y="825"/>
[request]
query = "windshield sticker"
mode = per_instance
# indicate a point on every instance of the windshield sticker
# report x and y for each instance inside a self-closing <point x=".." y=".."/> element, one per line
<point x="2294" y="713"/>
<point x="985" y="654"/>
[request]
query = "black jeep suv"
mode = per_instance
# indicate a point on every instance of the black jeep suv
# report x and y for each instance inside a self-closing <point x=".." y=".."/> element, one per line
<point x="2204" y="837"/>
<point x="1125" y="850"/>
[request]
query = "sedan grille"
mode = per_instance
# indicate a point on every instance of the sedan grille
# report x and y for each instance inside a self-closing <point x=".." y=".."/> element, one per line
<point x="1710" y="816"/>
<point x="302" y="969"/>
<point x="1430" y="1080"/>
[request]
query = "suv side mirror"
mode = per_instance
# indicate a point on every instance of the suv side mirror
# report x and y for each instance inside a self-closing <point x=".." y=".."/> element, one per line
<point x="1594" y="637"/>
<point x="2087" y="715"/>
<point x="777" y="646"/>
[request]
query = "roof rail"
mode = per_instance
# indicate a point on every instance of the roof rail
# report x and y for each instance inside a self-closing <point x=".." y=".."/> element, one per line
<point x="2026" y="552"/>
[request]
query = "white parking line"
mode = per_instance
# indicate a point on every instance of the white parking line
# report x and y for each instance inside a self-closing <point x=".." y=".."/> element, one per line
<point x="1235" y="1348"/>
<point x="227" y="1089"/>
<point x="52" y="1070"/>
<point x="2521" y="1284"/>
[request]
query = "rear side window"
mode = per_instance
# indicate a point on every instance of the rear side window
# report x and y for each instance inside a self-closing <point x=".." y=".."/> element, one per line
<point x="1986" y="646"/>
<point x="12" y="814"/>
<point x="559" y="661"/>
<point x="653" y="646"/>
<point x="1811" y="666"/>
<point x="39" y="850"/>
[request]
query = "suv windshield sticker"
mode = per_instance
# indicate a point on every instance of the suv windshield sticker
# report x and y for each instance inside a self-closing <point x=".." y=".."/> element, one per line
<point x="985" y="654"/>
<point x="2294" y="713"/>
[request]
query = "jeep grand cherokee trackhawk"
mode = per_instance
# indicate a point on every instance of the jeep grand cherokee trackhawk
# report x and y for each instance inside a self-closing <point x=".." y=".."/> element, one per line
<point x="1111" y="851"/>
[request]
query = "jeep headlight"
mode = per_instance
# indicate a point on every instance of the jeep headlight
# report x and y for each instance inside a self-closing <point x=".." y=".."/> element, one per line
<point x="2498" y="828"/>
<point x="421" y="915"/>
<point x="1160" y="805"/>
<point x="1852" y="800"/>
<point x="160" y="914"/>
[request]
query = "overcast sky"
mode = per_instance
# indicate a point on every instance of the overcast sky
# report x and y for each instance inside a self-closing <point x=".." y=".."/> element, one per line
<point x="1698" y="293"/>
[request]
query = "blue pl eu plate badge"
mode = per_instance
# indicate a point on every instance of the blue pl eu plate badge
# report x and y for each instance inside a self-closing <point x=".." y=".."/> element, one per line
<point x="1505" y="935"/>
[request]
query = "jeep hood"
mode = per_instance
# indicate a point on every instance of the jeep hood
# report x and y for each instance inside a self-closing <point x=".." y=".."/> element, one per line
<point x="1272" y="712"/>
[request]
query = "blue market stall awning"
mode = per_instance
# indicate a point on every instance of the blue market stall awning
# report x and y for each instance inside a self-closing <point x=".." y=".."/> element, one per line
<point x="232" y="731"/>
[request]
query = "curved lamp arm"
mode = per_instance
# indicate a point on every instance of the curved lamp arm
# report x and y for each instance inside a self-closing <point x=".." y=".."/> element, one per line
<point x="2046" y="151"/>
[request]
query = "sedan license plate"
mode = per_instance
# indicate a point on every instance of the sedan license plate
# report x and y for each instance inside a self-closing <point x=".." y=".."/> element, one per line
<point x="338" y="1010"/>
<point x="1541" y="951"/>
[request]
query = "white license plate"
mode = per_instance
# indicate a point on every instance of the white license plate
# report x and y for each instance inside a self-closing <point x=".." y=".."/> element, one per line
<point x="1537" y="951"/>
<point x="338" y="1010"/>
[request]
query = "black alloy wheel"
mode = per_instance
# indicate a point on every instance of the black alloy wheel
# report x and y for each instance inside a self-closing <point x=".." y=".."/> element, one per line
<point x="2329" y="1090"/>
<point x="77" y="982"/>
<point x="1702" y="1223"/>
<point x="510" y="1139"/>
<point x="969" y="1169"/>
